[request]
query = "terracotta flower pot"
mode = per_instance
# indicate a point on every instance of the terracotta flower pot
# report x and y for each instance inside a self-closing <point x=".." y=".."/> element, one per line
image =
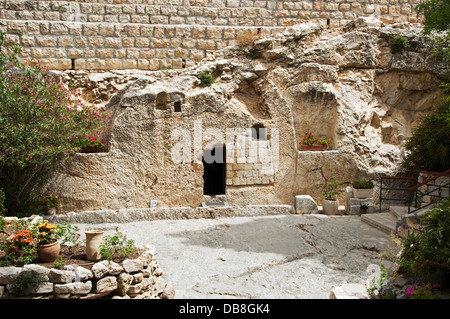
<point x="313" y="147"/>
<point x="48" y="252"/>
<point x="93" y="241"/>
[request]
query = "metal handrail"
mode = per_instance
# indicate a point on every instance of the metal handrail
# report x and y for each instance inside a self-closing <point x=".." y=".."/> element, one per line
<point x="396" y="189"/>
<point x="414" y="191"/>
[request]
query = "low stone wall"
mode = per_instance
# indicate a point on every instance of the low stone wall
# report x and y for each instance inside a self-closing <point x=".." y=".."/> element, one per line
<point x="139" y="278"/>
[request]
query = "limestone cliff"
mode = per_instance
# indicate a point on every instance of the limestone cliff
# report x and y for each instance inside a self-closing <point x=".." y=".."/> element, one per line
<point x="342" y="84"/>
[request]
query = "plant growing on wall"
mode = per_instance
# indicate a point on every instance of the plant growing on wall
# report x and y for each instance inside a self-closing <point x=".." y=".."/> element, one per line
<point x="40" y="122"/>
<point x="206" y="79"/>
<point x="399" y="43"/>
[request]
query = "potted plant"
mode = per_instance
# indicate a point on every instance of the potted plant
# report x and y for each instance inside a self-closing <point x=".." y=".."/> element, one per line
<point x="363" y="208"/>
<point x="91" y="145"/>
<point x="48" y="247"/>
<point x="362" y="188"/>
<point x="21" y="245"/>
<point x="50" y="203"/>
<point x="312" y="143"/>
<point x="332" y="186"/>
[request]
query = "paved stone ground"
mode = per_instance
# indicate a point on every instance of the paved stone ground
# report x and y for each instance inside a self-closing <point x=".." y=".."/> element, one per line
<point x="281" y="256"/>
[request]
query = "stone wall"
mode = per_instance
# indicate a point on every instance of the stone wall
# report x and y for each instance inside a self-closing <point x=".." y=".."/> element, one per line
<point x="140" y="278"/>
<point x="158" y="34"/>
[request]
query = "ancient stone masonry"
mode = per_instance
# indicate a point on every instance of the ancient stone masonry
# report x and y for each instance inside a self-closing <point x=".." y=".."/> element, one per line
<point x="158" y="34"/>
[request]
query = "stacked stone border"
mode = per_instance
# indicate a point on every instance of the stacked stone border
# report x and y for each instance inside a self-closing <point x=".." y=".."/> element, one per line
<point x="139" y="278"/>
<point x="159" y="34"/>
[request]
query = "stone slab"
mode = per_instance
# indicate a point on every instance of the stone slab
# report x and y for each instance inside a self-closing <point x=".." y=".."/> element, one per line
<point x="305" y="204"/>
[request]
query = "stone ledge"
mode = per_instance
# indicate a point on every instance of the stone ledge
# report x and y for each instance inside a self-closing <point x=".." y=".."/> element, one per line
<point x="138" y="214"/>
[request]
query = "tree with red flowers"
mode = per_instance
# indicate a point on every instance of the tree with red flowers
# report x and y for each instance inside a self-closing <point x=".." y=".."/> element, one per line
<point x="41" y="122"/>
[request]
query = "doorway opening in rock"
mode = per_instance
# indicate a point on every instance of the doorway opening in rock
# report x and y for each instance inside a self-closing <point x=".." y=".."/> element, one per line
<point x="214" y="171"/>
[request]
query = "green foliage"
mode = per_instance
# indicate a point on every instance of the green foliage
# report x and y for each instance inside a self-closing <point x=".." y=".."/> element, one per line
<point x="429" y="146"/>
<point x="426" y="250"/>
<point x="68" y="234"/>
<point x="2" y="202"/>
<point x="399" y="43"/>
<point x="51" y="201"/>
<point x="362" y="184"/>
<point x="206" y="79"/>
<point x="423" y="290"/>
<point x="332" y="185"/>
<point x="310" y="140"/>
<point x="26" y="281"/>
<point x="116" y="245"/>
<point x="377" y="282"/>
<point x="436" y="15"/>
<point x="41" y="121"/>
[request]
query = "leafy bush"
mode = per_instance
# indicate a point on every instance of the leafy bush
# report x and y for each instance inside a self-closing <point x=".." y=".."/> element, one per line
<point x="206" y="79"/>
<point x="426" y="250"/>
<point x="429" y="147"/>
<point x="399" y="43"/>
<point x="40" y="122"/>
<point x="116" y="245"/>
<point x="26" y="281"/>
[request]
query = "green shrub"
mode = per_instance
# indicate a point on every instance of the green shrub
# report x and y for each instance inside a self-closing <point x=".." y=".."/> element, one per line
<point x="362" y="184"/>
<point x="116" y="245"/>
<point x="429" y="146"/>
<point x="399" y="43"/>
<point x="40" y="122"/>
<point x="206" y="79"/>
<point x="426" y="250"/>
<point x="26" y="282"/>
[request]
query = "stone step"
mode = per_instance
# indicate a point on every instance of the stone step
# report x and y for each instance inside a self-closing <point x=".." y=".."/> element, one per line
<point x="383" y="221"/>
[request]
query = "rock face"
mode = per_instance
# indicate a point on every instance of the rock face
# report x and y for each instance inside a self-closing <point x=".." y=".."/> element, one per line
<point x="169" y="131"/>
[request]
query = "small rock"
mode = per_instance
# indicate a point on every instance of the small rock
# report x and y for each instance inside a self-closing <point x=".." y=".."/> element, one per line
<point x="61" y="276"/>
<point x="133" y="265"/>
<point x="106" y="284"/>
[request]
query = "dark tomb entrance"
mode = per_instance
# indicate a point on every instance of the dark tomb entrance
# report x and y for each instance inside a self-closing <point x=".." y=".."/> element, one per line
<point x="214" y="171"/>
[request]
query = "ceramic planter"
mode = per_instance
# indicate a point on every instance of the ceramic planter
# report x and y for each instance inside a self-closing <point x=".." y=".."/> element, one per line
<point x="330" y="207"/>
<point x="362" y="192"/>
<point x="48" y="252"/>
<point x="313" y="147"/>
<point x="51" y="211"/>
<point x="93" y="241"/>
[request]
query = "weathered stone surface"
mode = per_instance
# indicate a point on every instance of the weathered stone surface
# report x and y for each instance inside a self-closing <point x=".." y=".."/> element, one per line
<point x="305" y="204"/>
<point x="106" y="284"/>
<point x="342" y="84"/>
<point x="99" y="269"/>
<point x="38" y="269"/>
<point x="7" y="274"/>
<point x="124" y="281"/>
<point x="132" y="265"/>
<point x="61" y="276"/>
<point x="75" y="288"/>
